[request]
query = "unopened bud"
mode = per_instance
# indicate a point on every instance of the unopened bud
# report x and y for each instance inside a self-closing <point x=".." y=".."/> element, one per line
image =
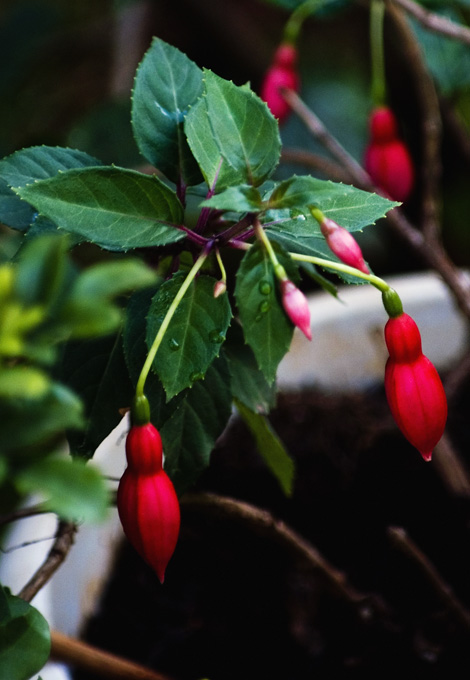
<point x="343" y="244"/>
<point x="219" y="288"/>
<point x="296" y="307"/>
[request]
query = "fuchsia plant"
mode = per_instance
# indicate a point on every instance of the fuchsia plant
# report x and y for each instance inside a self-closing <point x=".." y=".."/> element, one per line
<point x="281" y="74"/>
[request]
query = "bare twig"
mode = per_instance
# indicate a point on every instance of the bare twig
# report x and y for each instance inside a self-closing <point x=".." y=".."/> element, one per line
<point x="57" y="554"/>
<point x="82" y="655"/>
<point x="451" y="468"/>
<point x="402" y="541"/>
<point x="264" y="522"/>
<point x="431" y="123"/>
<point x="324" y="165"/>
<point x="23" y="513"/>
<point x="435" y="22"/>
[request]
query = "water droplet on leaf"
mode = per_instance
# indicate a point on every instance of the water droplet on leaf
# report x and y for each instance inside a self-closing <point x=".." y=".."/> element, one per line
<point x="264" y="307"/>
<point x="173" y="344"/>
<point x="216" y="336"/>
<point x="264" y="287"/>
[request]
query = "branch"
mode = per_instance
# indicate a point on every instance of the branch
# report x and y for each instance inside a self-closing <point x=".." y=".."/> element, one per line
<point x="23" y="513"/>
<point x="89" y="658"/>
<point x="431" y="123"/>
<point x="435" y="22"/>
<point x="306" y="158"/>
<point x="402" y="541"/>
<point x="263" y="521"/>
<point x="57" y="554"/>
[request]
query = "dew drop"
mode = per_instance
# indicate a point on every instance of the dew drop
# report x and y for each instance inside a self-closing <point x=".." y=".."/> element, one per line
<point x="258" y="317"/>
<point x="264" y="287"/>
<point x="173" y="344"/>
<point x="264" y="307"/>
<point x="216" y="336"/>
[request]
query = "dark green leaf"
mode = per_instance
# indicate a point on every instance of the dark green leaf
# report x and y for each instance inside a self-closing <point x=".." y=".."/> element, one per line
<point x="23" y="381"/>
<point x="232" y="135"/>
<point x="96" y="371"/>
<point x="247" y="382"/>
<point x="115" y="208"/>
<point x="195" y="334"/>
<point x="167" y="83"/>
<point x="270" y="447"/>
<point x="190" y="433"/>
<point x="70" y="487"/>
<point x="266" y="327"/>
<point x="24" y="638"/>
<point x="28" y="165"/>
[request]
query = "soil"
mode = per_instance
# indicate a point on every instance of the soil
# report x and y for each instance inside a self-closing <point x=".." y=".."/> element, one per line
<point x="237" y="604"/>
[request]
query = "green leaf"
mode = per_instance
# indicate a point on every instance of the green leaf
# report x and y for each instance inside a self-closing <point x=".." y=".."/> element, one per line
<point x="37" y="423"/>
<point x="243" y="198"/>
<point x="247" y="382"/>
<point x="73" y="489"/>
<point x="270" y="447"/>
<point x="41" y="269"/>
<point x="190" y="433"/>
<point x="233" y="136"/>
<point x="25" y="382"/>
<point x="352" y="208"/>
<point x="97" y="373"/>
<point x="115" y="208"/>
<point x="266" y="327"/>
<point x="24" y="167"/>
<point x="195" y="334"/>
<point x="24" y="638"/>
<point x="167" y="83"/>
<point x="106" y="280"/>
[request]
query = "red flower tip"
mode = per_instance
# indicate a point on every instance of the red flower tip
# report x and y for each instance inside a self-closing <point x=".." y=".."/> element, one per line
<point x="413" y="387"/>
<point x="296" y="307"/>
<point x="281" y="74"/>
<point x="147" y="502"/>
<point x="387" y="159"/>
<point x="343" y="244"/>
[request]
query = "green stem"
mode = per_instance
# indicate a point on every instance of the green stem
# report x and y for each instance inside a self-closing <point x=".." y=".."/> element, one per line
<point x="297" y="18"/>
<point x="279" y="270"/>
<point x="376" y="281"/>
<point x="223" y="273"/>
<point x="166" y="322"/>
<point x="378" y="85"/>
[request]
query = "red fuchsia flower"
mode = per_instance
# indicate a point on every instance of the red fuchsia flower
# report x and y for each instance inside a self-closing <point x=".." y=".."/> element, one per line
<point x="296" y="306"/>
<point x="343" y="244"/>
<point x="281" y="74"/>
<point x="147" y="502"/>
<point x="413" y="387"/>
<point x="387" y="159"/>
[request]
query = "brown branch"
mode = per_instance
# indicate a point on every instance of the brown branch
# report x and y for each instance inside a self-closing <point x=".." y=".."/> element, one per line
<point x="430" y="120"/>
<point x="57" y="554"/>
<point x="451" y="468"/>
<point x="263" y="521"/>
<point x="23" y="513"/>
<point x="402" y="541"/>
<point x="431" y="253"/>
<point x="311" y="160"/>
<point x="435" y="22"/>
<point x="82" y="655"/>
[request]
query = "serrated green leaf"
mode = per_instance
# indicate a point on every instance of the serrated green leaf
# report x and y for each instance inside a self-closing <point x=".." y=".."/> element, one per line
<point x="195" y="334"/>
<point x="70" y="487"/>
<point x="167" y="83"/>
<point x="352" y="208"/>
<point x="115" y="208"/>
<point x="24" y="638"/>
<point x="266" y="327"/>
<point x="270" y="447"/>
<point x="233" y="136"/>
<point x="189" y="435"/>
<point x="243" y="198"/>
<point x="26" y="166"/>
<point x="247" y="382"/>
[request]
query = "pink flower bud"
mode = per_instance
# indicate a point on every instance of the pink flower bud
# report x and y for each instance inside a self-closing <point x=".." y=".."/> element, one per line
<point x="281" y="74"/>
<point x="343" y="244"/>
<point x="147" y="502"/>
<point x="296" y="307"/>
<point x="413" y="387"/>
<point x="219" y="288"/>
<point x="387" y="159"/>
